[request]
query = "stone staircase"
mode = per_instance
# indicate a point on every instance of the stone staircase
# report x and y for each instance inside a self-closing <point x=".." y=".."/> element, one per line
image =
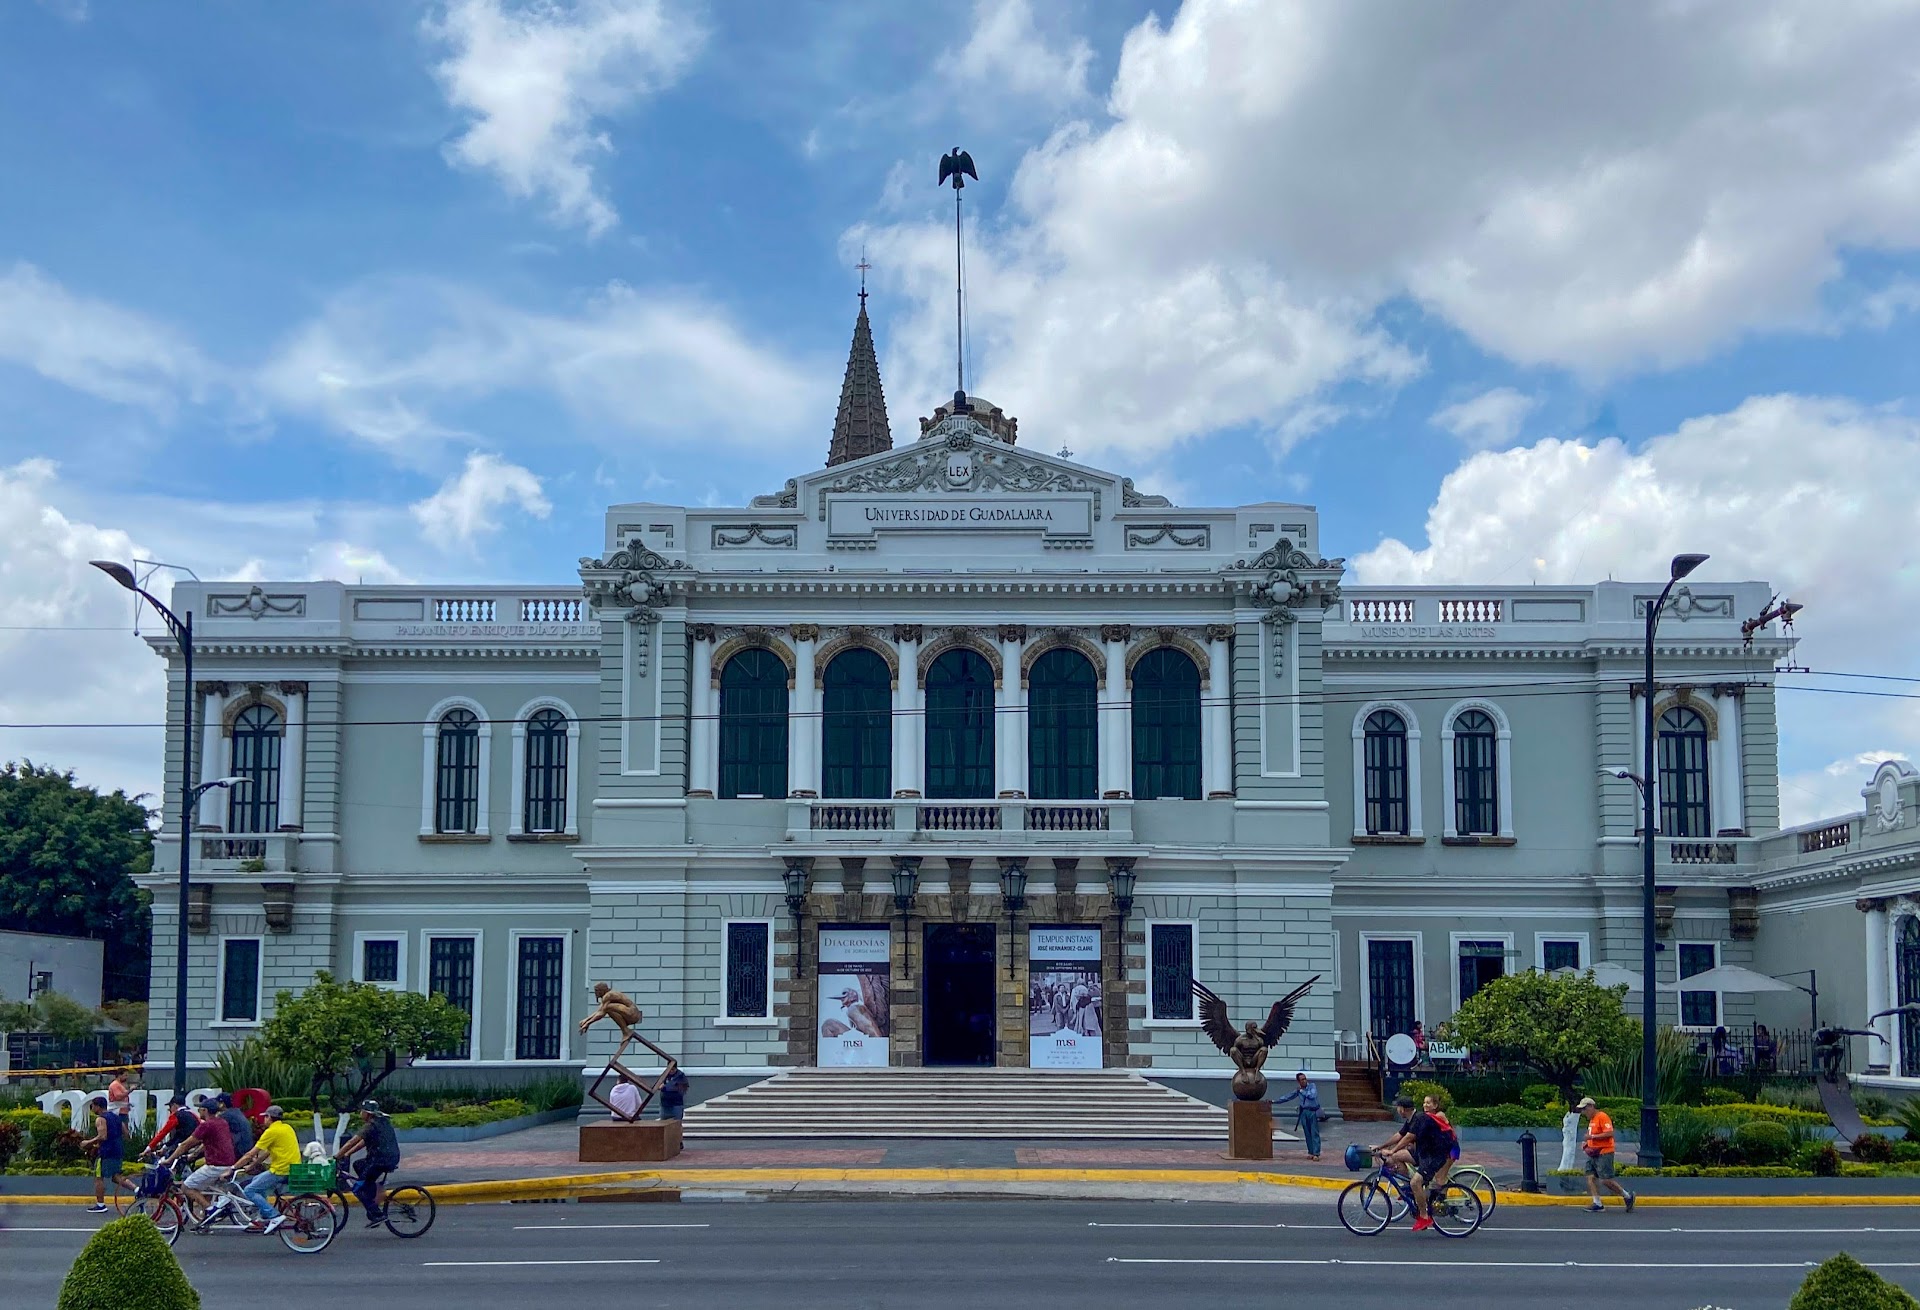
<point x="1006" y="1103"/>
<point x="1360" y="1092"/>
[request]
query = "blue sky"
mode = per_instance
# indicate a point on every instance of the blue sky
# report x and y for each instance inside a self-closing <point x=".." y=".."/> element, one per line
<point x="394" y="290"/>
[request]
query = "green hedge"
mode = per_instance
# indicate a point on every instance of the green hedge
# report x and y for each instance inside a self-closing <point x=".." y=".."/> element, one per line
<point x="1504" y="1116"/>
<point x="464" y="1116"/>
<point x="1843" y="1283"/>
<point x="127" y="1265"/>
<point x="1763" y="1142"/>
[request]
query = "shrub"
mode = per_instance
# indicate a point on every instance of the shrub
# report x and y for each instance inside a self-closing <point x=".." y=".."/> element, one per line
<point x="251" y="1064"/>
<point x="1484" y="1088"/>
<point x="1420" y="1087"/>
<point x="1907" y="1115"/>
<point x="1820" y="1159"/>
<point x="1504" y="1116"/>
<point x="127" y="1265"/>
<point x="1873" y="1105"/>
<point x="1906" y="1152"/>
<point x="1682" y="1133"/>
<point x="1539" y="1096"/>
<point x="12" y="1138"/>
<point x="1720" y="1096"/>
<point x="68" y="1146"/>
<point x="42" y="1131"/>
<point x="1762" y="1142"/>
<point x="1843" y="1283"/>
<point x="1873" y="1148"/>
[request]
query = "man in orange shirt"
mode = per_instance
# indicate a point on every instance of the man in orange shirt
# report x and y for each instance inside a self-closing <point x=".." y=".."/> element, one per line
<point x="1600" y="1155"/>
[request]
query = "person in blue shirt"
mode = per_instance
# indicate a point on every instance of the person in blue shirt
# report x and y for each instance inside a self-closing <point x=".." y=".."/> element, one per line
<point x="1307" y="1119"/>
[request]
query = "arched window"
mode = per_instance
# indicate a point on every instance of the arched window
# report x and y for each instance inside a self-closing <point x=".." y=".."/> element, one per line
<point x="1062" y="739"/>
<point x="856" y="727"/>
<point x="1683" y="774"/>
<point x="1385" y="747"/>
<point x="1476" y="805"/>
<point x="257" y="732"/>
<point x="960" y="727"/>
<point x="546" y="781"/>
<point x="1166" y="726"/>
<point x="753" y="725"/>
<point x="1906" y="966"/>
<point x="456" y="773"/>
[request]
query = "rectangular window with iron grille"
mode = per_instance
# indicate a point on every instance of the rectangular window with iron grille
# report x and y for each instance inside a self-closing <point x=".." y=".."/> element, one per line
<point x="1480" y="963"/>
<point x="749" y="981"/>
<point x="456" y="786"/>
<point x="542" y="975"/>
<point x="1386" y="781"/>
<point x="1172" y="960"/>
<point x="1475" y="798"/>
<point x="380" y="960"/>
<point x="546" y="797"/>
<point x="450" y="974"/>
<point x="1560" y="955"/>
<point x="1698" y="1009"/>
<point x="240" y="980"/>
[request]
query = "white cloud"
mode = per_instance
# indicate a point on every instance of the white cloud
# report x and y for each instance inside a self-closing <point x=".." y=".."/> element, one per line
<point x="1831" y="790"/>
<point x="1603" y="188"/>
<point x="537" y="79"/>
<point x="1488" y="420"/>
<point x="94" y="346"/>
<point x="384" y="358"/>
<point x="1820" y="497"/>
<point x="467" y="504"/>
<point x="1008" y="53"/>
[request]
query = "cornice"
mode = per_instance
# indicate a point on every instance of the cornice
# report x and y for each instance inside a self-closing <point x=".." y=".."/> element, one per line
<point x="836" y="584"/>
<point x="586" y="649"/>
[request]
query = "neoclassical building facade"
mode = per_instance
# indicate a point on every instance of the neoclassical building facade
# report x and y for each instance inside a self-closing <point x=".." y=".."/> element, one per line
<point x="960" y="753"/>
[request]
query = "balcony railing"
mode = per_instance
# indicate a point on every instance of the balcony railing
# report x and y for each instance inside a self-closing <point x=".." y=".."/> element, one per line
<point x="1380" y="611"/>
<point x="959" y="818"/>
<point x="227" y="851"/>
<point x="551" y="609"/>
<point x="463" y="609"/>
<point x="910" y="819"/>
<point x="1068" y="818"/>
<point x="1702" y="852"/>
<point x="1471" y="610"/>
<point x="1831" y="837"/>
<point x="850" y="818"/>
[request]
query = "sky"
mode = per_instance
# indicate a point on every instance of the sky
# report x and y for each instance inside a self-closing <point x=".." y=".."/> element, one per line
<point x="386" y="290"/>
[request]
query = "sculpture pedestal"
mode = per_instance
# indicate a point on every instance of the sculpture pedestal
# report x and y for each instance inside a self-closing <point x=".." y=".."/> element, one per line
<point x="617" y="1142"/>
<point x="1250" y="1130"/>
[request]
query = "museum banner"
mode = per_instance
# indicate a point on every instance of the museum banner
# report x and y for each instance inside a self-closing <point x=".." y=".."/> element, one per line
<point x="855" y="996"/>
<point x="1063" y="998"/>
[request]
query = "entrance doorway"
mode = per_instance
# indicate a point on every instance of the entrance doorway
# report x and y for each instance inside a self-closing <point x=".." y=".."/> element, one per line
<point x="960" y="994"/>
<point x="1390" y="989"/>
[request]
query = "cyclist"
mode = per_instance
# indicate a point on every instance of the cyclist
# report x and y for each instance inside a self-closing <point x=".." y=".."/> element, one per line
<point x="274" y="1154"/>
<point x="212" y="1141"/>
<point x="110" y="1143"/>
<point x="377" y="1138"/>
<point x="1421" y="1149"/>
<point x="238" y="1125"/>
<point x="177" y="1128"/>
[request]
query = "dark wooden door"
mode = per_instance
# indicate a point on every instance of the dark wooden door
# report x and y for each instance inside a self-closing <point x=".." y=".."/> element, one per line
<point x="1390" y="987"/>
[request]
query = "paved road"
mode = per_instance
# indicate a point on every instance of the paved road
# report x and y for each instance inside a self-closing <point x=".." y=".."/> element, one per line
<point x="1004" y="1253"/>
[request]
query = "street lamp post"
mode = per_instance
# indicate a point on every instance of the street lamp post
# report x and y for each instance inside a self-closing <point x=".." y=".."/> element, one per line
<point x="1650" y="1156"/>
<point x="182" y="630"/>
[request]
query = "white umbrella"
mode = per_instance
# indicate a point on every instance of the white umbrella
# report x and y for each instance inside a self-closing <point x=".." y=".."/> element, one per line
<point x="1609" y="974"/>
<point x="1729" y="978"/>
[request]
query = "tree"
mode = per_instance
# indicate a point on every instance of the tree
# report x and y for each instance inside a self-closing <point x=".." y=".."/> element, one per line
<point x="355" y="1035"/>
<point x="1558" y="1025"/>
<point x="49" y="1013"/>
<point x="68" y="858"/>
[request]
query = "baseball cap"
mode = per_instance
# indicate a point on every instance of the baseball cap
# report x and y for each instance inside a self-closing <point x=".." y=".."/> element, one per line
<point x="1587" y="1103"/>
<point x="274" y="1112"/>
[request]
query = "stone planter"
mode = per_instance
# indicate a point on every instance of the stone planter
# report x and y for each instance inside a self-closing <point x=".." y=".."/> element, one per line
<point x="480" y="1132"/>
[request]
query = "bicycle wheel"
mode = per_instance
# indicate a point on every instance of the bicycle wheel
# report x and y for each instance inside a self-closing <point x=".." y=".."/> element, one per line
<point x="165" y="1213"/>
<point x="1362" y="1210"/>
<point x="409" y="1210"/>
<point x="310" y="1226"/>
<point x="342" y="1208"/>
<point x="1476" y="1181"/>
<point x="122" y="1192"/>
<point x="1456" y="1210"/>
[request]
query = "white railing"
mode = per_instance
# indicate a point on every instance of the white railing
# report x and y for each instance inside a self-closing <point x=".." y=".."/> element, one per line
<point x="1068" y="818"/>
<point x="959" y="818"/>
<point x="1702" y="852"/>
<point x="551" y="609"/>
<point x="1471" y="610"/>
<point x="461" y="609"/>
<point x="1379" y="611"/>
<point x="850" y="818"/>
<point x="1831" y="837"/>
<point x="233" y="848"/>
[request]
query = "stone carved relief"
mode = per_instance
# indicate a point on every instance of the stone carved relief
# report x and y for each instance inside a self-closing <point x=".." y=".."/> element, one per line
<point x="628" y="577"/>
<point x="1175" y="536"/>
<point x="837" y="641"/>
<point x="1885" y="795"/>
<point x="1153" y="639"/>
<point x="257" y="604"/>
<point x="973" y="639"/>
<point x="1293" y="578"/>
<point x="1132" y="499"/>
<point x="1683" y="604"/>
<point x="739" y="536"/>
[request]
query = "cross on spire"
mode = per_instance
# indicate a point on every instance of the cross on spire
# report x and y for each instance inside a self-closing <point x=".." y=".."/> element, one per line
<point x="863" y="266"/>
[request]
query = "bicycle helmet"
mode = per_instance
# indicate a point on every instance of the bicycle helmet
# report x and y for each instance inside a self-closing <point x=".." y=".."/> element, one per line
<point x="1358" y="1158"/>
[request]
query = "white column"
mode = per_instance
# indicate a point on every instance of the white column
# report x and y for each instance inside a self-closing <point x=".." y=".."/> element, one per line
<point x="1638" y="707"/>
<point x="213" y="804"/>
<point x="573" y="778"/>
<point x="1503" y="775"/>
<point x="909" y="723"/>
<point x="703" y="736"/>
<point x="517" y="781"/>
<point x="1216" y="757"/>
<point x="1010" y="723"/>
<point x="1879" y="983"/>
<point x="1731" y="791"/>
<point x="803" y="716"/>
<point x="1116" y="718"/>
<point x="293" y="755"/>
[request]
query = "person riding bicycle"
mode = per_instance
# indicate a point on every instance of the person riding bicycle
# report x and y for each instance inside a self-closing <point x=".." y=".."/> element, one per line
<point x="274" y="1154"/>
<point x="1421" y="1147"/>
<point x="175" y="1129"/>
<point x="212" y="1141"/>
<point x="382" y="1146"/>
<point x="238" y="1125"/>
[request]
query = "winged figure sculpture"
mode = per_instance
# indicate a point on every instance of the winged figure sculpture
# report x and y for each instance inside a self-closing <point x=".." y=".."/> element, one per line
<point x="1248" y="1049"/>
<point x="958" y="165"/>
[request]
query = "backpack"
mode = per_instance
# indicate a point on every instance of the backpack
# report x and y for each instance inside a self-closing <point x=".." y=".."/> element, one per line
<point x="1446" y="1126"/>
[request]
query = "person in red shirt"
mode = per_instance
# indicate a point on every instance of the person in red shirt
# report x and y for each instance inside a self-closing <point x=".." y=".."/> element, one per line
<point x="212" y="1141"/>
<point x="1600" y="1155"/>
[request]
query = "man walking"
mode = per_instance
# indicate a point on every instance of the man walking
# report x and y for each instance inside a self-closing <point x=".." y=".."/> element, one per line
<point x="1600" y="1156"/>
<point x="110" y="1147"/>
<point x="1307" y="1119"/>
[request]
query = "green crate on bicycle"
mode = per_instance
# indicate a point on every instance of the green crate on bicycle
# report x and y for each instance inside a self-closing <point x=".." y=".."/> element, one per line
<point x="311" y="1177"/>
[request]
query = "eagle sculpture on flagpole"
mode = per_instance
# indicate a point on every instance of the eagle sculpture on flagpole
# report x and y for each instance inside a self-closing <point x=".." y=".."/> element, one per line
<point x="958" y="165"/>
<point x="1248" y="1049"/>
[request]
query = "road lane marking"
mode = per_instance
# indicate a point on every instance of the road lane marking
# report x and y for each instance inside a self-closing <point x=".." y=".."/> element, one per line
<point x="1522" y="1228"/>
<point x="1510" y="1264"/>
<point x="568" y="1228"/>
<point x="22" y="1228"/>
<point x="500" y="1264"/>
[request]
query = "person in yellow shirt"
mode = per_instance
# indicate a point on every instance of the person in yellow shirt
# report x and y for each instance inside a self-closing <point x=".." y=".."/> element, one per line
<point x="274" y="1154"/>
<point x="1600" y="1155"/>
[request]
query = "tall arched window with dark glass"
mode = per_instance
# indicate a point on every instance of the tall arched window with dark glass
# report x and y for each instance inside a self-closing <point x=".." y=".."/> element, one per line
<point x="456" y="773"/>
<point x="960" y="727"/>
<point x="1062" y="736"/>
<point x="546" y="795"/>
<point x="1384" y="765"/>
<point x="1166" y="726"/>
<point x="1476" y="803"/>
<point x="255" y="807"/>
<point x="753" y="725"/>
<point x="856" y="727"/>
<point x="1683" y="774"/>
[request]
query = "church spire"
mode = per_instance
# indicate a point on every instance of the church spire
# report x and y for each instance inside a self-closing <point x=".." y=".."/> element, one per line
<point x="860" y="428"/>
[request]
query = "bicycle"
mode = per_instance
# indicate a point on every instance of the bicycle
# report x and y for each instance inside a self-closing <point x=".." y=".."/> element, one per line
<point x="1476" y="1180"/>
<point x="1366" y="1207"/>
<point x="406" y="1210"/>
<point x="309" y="1228"/>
